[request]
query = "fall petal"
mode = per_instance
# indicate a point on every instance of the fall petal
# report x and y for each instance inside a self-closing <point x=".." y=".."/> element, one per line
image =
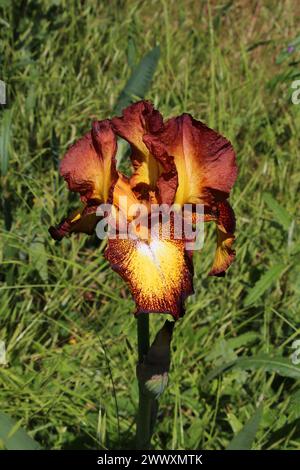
<point x="225" y="254"/>
<point x="81" y="221"/>
<point x="159" y="273"/>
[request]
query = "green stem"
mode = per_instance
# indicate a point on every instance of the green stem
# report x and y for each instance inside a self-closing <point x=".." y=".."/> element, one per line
<point x="143" y="335"/>
<point x="144" y="424"/>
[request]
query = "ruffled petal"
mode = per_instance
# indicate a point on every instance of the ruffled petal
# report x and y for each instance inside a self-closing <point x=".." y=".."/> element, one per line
<point x="159" y="273"/>
<point x="151" y="173"/>
<point x="225" y="254"/>
<point x="125" y="203"/>
<point x="205" y="161"/>
<point x="89" y="166"/>
<point x="123" y="197"/>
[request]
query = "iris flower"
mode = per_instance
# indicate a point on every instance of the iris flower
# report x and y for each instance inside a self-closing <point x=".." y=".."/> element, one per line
<point x="179" y="161"/>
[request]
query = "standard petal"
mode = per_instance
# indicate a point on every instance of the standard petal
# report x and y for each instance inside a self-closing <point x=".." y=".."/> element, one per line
<point x="125" y="203"/>
<point x="89" y="165"/>
<point x="159" y="273"/>
<point x="151" y="173"/>
<point x="205" y="161"/>
<point x="136" y="121"/>
<point x="123" y="196"/>
<point x="225" y="254"/>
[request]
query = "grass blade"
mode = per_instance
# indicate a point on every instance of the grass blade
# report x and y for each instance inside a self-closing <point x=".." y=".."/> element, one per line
<point x="266" y="280"/>
<point x="131" y="54"/>
<point x="279" y="212"/>
<point x="245" y="438"/>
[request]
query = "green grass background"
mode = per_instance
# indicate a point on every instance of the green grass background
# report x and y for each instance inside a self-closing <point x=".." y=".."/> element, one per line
<point x="65" y="317"/>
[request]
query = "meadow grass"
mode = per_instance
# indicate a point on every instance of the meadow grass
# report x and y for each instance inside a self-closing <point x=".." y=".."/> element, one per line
<point x="65" y="317"/>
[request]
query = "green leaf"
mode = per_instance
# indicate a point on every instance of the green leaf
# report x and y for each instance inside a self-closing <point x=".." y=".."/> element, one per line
<point x="281" y="365"/>
<point x="5" y="141"/>
<point x="243" y="339"/>
<point x="13" y="437"/>
<point x="245" y="438"/>
<point x="123" y="149"/>
<point x="279" y="212"/>
<point x="266" y="280"/>
<point x="38" y="257"/>
<point x="294" y="405"/>
<point x="139" y="80"/>
<point x="131" y="54"/>
<point x="152" y="373"/>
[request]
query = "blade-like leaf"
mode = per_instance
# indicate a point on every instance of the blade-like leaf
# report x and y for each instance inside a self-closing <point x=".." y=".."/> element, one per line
<point x="245" y="438"/>
<point x="153" y="371"/>
<point x="139" y="80"/>
<point x="295" y="403"/>
<point x="13" y="437"/>
<point x="131" y="54"/>
<point x="281" y="365"/>
<point x="279" y="212"/>
<point x="267" y="279"/>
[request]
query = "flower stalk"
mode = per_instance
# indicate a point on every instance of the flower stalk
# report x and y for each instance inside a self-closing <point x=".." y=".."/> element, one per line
<point x="147" y="405"/>
<point x="152" y="374"/>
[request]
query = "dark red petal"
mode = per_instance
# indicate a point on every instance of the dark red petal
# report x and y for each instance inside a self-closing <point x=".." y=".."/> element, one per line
<point x="89" y="165"/>
<point x="152" y="173"/>
<point x="82" y="221"/>
<point x="205" y="161"/>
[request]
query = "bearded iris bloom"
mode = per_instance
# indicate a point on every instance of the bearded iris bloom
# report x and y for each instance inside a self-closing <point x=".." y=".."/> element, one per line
<point x="179" y="161"/>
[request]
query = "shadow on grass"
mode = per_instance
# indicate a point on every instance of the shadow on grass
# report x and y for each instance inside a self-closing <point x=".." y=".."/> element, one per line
<point x="86" y="442"/>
